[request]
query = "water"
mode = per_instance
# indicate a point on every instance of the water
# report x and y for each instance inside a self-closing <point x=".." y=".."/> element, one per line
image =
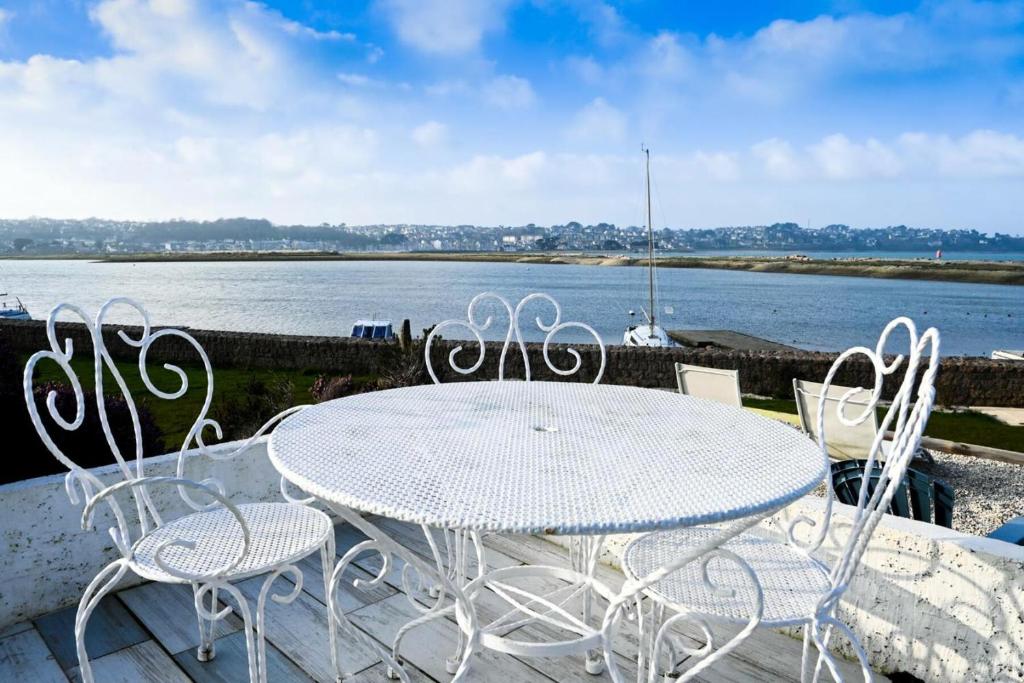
<point x="809" y="311"/>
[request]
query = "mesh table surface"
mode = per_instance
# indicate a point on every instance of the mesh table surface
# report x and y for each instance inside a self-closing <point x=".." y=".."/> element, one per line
<point x="544" y="457"/>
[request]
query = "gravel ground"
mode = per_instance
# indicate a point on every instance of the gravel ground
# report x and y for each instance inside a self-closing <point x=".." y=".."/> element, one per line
<point x="986" y="492"/>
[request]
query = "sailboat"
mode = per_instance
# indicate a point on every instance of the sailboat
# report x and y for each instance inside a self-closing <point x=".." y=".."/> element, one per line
<point x="649" y="333"/>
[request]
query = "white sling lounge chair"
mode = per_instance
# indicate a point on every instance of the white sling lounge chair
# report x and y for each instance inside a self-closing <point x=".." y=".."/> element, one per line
<point x="710" y="383"/>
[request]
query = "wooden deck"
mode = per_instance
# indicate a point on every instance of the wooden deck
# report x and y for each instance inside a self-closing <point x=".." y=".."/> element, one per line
<point x="149" y="633"/>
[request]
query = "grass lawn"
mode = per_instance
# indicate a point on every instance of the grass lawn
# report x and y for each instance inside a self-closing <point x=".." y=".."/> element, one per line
<point x="175" y="417"/>
<point x="965" y="427"/>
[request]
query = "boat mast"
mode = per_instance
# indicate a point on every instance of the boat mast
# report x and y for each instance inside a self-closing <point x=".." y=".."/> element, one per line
<point x="650" y="242"/>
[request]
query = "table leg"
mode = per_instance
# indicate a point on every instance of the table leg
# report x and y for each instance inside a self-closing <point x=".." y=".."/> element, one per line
<point x="654" y="631"/>
<point x="584" y="552"/>
<point x="379" y="542"/>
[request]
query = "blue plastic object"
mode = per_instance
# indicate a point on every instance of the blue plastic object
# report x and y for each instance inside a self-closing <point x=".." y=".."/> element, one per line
<point x="1011" y="532"/>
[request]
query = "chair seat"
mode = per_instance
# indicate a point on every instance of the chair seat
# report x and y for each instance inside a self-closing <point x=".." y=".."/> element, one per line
<point x="278" y="533"/>
<point x="792" y="583"/>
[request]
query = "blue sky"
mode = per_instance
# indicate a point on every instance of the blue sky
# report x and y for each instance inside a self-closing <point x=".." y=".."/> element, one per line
<point x="508" y="112"/>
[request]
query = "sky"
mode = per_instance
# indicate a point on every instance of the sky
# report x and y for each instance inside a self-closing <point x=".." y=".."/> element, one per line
<point x="507" y="112"/>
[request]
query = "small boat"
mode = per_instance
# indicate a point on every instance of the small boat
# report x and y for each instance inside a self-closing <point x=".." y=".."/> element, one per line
<point x="649" y="333"/>
<point x="1008" y="354"/>
<point x="12" y="311"/>
<point x="372" y="329"/>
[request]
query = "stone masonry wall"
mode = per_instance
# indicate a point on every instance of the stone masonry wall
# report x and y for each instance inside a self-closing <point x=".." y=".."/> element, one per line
<point x="962" y="381"/>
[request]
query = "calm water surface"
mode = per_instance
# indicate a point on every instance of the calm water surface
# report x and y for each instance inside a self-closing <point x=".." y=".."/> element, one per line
<point x="809" y="311"/>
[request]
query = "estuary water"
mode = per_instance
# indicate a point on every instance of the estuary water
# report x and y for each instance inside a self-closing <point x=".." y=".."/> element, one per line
<point x="324" y="298"/>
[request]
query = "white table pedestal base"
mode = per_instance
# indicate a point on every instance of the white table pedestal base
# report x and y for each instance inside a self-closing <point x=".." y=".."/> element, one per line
<point x="527" y="608"/>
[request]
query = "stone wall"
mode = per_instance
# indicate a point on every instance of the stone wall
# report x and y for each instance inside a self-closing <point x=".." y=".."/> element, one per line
<point x="962" y="381"/>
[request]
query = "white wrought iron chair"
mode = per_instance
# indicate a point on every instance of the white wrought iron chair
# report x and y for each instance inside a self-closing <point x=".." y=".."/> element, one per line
<point x="213" y="546"/>
<point x="584" y="550"/>
<point x="713" y="384"/>
<point x="752" y="580"/>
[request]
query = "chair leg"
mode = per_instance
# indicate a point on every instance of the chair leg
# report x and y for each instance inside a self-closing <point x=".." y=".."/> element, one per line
<point x="829" y="658"/>
<point x="327" y="557"/>
<point x="247" y="624"/>
<point x="261" y="605"/>
<point x="102" y="584"/>
<point x="205" y="652"/>
<point x="805" y="655"/>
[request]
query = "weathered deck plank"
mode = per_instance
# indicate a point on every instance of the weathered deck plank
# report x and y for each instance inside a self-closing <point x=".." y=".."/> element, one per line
<point x="168" y="612"/>
<point x="351" y="598"/>
<point x="231" y="664"/>
<point x="160" y="645"/>
<point x="428" y="645"/>
<point x="145" y="661"/>
<point x="111" y="628"/>
<point x="299" y="630"/>
<point x="378" y="673"/>
<point x="25" y="657"/>
<point x="12" y="629"/>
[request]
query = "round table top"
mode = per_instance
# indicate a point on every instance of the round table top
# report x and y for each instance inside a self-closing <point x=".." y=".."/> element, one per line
<point x="544" y="457"/>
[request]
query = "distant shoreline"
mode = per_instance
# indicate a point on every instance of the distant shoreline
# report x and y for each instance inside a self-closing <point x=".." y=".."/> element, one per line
<point x="977" y="272"/>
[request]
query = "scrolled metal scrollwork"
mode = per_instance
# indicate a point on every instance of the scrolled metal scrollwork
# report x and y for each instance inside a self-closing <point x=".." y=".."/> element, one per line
<point x="551" y="331"/>
<point x="477" y="327"/>
<point x="334" y="586"/>
<point x="897" y="413"/>
<point x="172" y="555"/>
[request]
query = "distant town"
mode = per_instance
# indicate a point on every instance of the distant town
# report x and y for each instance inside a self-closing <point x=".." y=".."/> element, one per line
<point x="95" y="236"/>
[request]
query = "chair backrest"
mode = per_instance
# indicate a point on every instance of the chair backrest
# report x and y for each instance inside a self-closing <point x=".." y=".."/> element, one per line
<point x="919" y="496"/>
<point x="513" y="335"/>
<point x="710" y="383"/>
<point x="845" y="441"/>
<point x="906" y="417"/>
<point x="131" y="464"/>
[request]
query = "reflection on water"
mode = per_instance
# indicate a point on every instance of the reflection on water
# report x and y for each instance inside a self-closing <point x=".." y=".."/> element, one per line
<point x="809" y="311"/>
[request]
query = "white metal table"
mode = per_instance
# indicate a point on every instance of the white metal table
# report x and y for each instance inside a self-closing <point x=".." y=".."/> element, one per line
<point x="536" y="458"/>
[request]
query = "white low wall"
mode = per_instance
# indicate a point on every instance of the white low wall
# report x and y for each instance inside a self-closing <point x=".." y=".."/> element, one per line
<point x="928" y="601"/>
<point x="47" y="560"/>
<point x="935" y="603"/>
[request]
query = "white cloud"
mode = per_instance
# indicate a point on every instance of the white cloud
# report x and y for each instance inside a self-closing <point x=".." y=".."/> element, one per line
<point x="839" y="158"/>
<point x="718" y="165"/>
<point x="598" y="121"/>
<point x="430" y="134"/>
<point x="607" y="26"/>
<point x="446" y="88"/>
<point x="509" y="92"/>
<point x="360" y="80"/>
<point x="979" y="154"/>
<point x="664" y="57"/>
<point x="213" y="109"/>
<point x="447" y="27"/>
<point x="586" y="69"/>
<point x="5" y="16"/>
<point x="490" y="175"/>
<point x="777" y="158"/>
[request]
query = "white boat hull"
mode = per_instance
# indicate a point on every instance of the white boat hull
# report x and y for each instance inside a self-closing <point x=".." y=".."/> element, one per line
<point x="651" y="336"/>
